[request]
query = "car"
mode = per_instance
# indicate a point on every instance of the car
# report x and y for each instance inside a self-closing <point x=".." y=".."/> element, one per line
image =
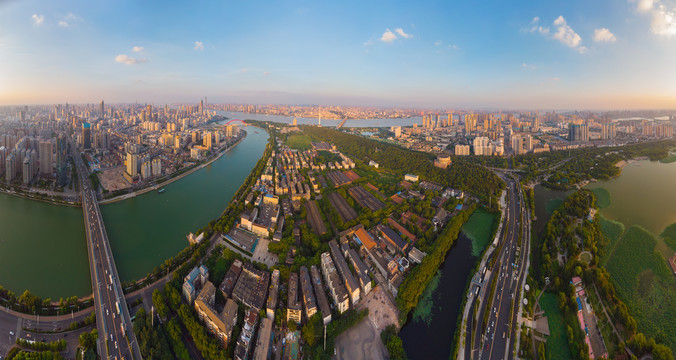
<point x="28" y="335"/>
<point x="11" y="333"/>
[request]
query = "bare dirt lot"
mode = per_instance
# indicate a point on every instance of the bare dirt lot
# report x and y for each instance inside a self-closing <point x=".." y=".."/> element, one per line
<point x="113" y="179"/>
<point x="363" y="341"/>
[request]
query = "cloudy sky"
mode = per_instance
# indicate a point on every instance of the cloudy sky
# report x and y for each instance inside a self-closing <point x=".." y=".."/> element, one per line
<point x="446" y="54"/>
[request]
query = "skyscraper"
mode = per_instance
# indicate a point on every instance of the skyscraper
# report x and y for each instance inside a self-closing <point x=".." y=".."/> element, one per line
<point x="101" y="110"/>
<point x="578" y="132"/>
<point x="10" y="168"/>
<point x="61" y="160"/>
<point x="132" y="164"/>
<point x="86" y="136"/>
<point x="45" y="158"/>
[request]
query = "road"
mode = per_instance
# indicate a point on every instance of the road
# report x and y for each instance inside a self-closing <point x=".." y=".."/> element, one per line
<point x="116" y="337"/>
<point x="493" y="341"/>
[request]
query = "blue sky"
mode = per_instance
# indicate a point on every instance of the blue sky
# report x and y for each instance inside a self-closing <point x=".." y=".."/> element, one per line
<point x="439" y="54"/>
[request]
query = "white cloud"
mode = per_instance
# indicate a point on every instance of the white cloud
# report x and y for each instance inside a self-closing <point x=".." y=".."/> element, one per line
<point x="401" y="32"/>
<point x="604" y="35"/>
<point x="528" y="66"/>
<point x="125" y="59"/>
<point x="536" y="27"/>
<point x="69" y="19"/>
<point x="266" y="73"/>
<point x="138" y="49"/>
<point x="199" y="45"/>
<point x="662" y="19"/>
<point x="38" y="19"/>
<point x="243" y="70"/>
<point x="388" y="36"/>
<point x="368" y="43"/>
<point x="567" y="36"/>
<point x="438" y="43"/>
<point x="563" y="33"/>
<point x="645" y="5"/>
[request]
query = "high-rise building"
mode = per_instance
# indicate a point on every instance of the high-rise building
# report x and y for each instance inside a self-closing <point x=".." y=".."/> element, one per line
<point x="86" y="136"/>
<point x="61" y="160"/>
<point x="10" y="168"/>
<point x="482" y="146"/>
<point x="608" y="131"/>
<point x="101" y="110"/>
<point x="3" y="157"/>
<point x="132" y="164"/>
<point x="45" y="158"/>
<point x="461" y="150"/>
<point x="157" y="167"/>
<point x="207" y="140"/>
<point x="470" y="122"/>
<point x="27" y="171"/>
<point x="578" y="132"/>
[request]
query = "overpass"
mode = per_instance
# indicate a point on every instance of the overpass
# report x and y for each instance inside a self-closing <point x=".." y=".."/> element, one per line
<point x="116" y="337"/>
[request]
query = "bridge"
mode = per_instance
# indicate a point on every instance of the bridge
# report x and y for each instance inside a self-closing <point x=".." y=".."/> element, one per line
<point x="116" y="337"/>
<point x="341" y="124"/>
<point x="233" y="120"/>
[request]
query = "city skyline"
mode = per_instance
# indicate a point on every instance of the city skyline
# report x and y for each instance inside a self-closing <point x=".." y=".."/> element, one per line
<point x="603" y="55"/>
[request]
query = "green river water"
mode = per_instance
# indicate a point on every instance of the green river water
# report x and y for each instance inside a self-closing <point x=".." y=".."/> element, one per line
<point x="42" y="246"/>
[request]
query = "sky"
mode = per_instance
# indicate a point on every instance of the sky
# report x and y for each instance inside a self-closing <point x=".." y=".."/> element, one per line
<point x="526" y="54"/>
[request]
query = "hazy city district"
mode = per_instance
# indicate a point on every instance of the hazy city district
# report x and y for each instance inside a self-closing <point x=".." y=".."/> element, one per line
<point x="337" y="243"/>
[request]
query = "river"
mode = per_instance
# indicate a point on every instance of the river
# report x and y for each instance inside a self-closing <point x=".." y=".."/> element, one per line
<point x="325" y="122"/>
<point x="429" y="333"/>
<point x="42" y="246"/>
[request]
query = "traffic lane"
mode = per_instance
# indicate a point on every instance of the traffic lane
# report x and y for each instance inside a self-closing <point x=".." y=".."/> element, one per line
<point x="500" y="311"/>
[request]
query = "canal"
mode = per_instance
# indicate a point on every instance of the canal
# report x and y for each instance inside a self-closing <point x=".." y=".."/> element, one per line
<point x="43" y="249"/>
<point x="429" y="332"/>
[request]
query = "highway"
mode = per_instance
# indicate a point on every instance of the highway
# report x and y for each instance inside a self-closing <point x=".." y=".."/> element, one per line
<point x="116" y="337"/>
<point x="496" y="339"/>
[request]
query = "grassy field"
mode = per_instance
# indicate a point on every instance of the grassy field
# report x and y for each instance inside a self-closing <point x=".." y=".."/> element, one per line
<point x="602" y="197"/>
<point x="384" y="180"/>
<point x="645" y="283"/>
<point x="557" y="344"/>
<point x="613" y="230"/>
<point x="479" y="229"/>
<point x="300" y="142"/>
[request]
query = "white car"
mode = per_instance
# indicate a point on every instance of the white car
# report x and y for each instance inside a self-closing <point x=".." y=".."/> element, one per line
<point x="11" y="333"/>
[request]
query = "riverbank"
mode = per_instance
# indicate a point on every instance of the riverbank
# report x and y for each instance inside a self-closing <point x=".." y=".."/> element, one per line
<point x="175" y="178"/>
<point x="44" y="200"/>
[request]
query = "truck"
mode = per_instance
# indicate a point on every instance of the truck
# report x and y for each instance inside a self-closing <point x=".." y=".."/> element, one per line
<point x="117" y="306"/>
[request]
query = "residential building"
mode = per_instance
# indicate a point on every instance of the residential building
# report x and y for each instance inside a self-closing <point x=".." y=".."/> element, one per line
<point x="334" y="283"/>
<point x="350" y="283"/>
<point x="252" y="287"/>
<point x="294" y="309"/>
<point x="309" y="299"/>
<point x="194" y="281"/>
<point x="322" y="301"/>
